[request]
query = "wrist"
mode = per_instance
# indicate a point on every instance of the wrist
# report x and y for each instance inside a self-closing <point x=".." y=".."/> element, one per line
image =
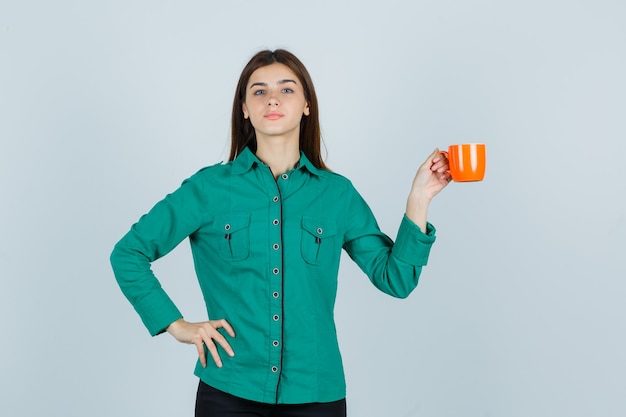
<point x="174" y="325"/>
<point x="417" y="210"/>
<point x="418" y="199"/>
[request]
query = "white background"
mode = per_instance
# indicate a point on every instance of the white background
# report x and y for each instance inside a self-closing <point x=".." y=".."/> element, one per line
<point x="107" y="106"/>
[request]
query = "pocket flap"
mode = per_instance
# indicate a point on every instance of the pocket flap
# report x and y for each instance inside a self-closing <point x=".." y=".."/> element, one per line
<point x="231" y="223"/>
<point x="319" y="227"/>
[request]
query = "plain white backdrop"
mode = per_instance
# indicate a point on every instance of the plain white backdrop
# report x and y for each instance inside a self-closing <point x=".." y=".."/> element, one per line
<point x="105" y="107"/>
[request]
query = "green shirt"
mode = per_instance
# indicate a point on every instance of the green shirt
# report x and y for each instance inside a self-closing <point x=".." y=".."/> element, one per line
<point x="266" y="254"/>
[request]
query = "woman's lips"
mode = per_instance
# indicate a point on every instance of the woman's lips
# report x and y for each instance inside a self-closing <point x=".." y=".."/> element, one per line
<point x="273" y="115"/>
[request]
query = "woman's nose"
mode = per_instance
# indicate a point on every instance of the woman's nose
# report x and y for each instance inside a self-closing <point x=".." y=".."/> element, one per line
<point x="272" y="100"/>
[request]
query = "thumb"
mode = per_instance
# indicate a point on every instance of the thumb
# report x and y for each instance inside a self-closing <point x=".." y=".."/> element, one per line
<point x="433" y="157"/>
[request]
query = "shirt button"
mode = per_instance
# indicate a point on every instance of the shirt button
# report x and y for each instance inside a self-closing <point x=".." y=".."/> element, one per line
<point x="275" y="343"/>
<point x="275" y="271"/>
<point x="284" y="176"/>
<point x="276" y="317"/>
<point x="275" y="199"/>
<point x="227" y="227"/>
<point x="275" y="246"/>
<point x="319" y="231"/>
<point x="275" y="294"/>
<point x="275" y="222"/>
<point x="274" y="369"/>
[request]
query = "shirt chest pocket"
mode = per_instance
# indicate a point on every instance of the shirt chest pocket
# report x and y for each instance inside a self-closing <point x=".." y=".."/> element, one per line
<point x="233" y="236"/>
<point x="319" y="241"/>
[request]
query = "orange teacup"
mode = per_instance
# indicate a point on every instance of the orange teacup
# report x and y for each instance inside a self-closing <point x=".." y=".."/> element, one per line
<point x="467" y="161"/>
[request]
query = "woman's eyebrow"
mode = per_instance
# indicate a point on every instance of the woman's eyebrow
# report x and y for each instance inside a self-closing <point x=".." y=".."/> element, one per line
<point x="263" y="84"/>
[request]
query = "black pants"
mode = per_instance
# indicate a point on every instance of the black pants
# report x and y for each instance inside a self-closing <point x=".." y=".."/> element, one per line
<point x="211" y="402"/>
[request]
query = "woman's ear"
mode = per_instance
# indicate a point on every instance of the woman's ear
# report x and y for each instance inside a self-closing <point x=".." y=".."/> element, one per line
<point x="306" y="111"/>
<point x="245" y="110"/>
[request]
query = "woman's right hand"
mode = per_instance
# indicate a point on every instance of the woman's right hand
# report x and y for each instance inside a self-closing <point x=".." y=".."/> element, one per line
<point x="201" y="334"/>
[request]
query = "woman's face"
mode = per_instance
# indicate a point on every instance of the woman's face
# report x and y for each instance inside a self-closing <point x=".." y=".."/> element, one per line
<point x="275" y="102"/>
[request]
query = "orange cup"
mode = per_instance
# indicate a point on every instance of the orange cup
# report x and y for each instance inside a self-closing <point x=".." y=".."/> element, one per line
<point x="467" y="161"/>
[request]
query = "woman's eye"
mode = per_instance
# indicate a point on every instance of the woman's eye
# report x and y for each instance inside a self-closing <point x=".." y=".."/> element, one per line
<point x="287" y="90"/>
<point x="259" y="92"/>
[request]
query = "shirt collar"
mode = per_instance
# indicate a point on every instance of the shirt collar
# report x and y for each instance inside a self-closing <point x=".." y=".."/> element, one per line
<point x="304" y="162"/>
<point x="246" y="160"/>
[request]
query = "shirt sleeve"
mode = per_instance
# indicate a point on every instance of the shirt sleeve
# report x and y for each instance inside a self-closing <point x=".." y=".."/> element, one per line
<point x="393" y="268"/>
<point x="156" y="233"/>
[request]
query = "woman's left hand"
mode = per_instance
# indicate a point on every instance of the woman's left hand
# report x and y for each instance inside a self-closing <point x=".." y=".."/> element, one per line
<point x="431" y="177"/>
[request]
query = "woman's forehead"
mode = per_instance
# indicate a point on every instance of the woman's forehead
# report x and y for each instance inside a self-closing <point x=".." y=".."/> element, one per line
<point x="273" y="73"/>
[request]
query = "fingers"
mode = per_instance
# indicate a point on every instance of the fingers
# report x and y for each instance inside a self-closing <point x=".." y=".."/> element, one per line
<point x="223" y="343"/>
<point x="209" y="336"/>
<point x="214" y="354"/>
<point x="210" y="346"/>
<point x="216" y="324"/>
<point x="439" y="162"/>
<point x="223" y="324"/>
<point x="204" y="336"/>
<point x="444" y="176"/>
<point x="200" y="347"/>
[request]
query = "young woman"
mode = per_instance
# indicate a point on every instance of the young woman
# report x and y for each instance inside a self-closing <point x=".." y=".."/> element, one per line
<point x="266" y="231"/>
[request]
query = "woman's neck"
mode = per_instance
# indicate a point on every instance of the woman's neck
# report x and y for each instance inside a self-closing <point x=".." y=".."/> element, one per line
<point x="279" y="155"/>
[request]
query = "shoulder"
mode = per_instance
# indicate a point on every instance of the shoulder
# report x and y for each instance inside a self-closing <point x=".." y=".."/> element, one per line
<point x="198" y="185"/>
<point x="215" y="169"/>
<point x="335" y="180"/>
<point x="210" y="173"/>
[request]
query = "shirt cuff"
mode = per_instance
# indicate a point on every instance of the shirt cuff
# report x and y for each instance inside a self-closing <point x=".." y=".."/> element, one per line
<point x="412" y="246"/>
<point x="157" y="311"/>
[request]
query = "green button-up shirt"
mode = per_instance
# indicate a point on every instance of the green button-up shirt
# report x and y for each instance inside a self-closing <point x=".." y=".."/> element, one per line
<point x="266" y="253"/>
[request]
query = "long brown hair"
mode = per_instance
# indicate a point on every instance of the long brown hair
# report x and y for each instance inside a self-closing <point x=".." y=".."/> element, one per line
<point x="242" y="131"/>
